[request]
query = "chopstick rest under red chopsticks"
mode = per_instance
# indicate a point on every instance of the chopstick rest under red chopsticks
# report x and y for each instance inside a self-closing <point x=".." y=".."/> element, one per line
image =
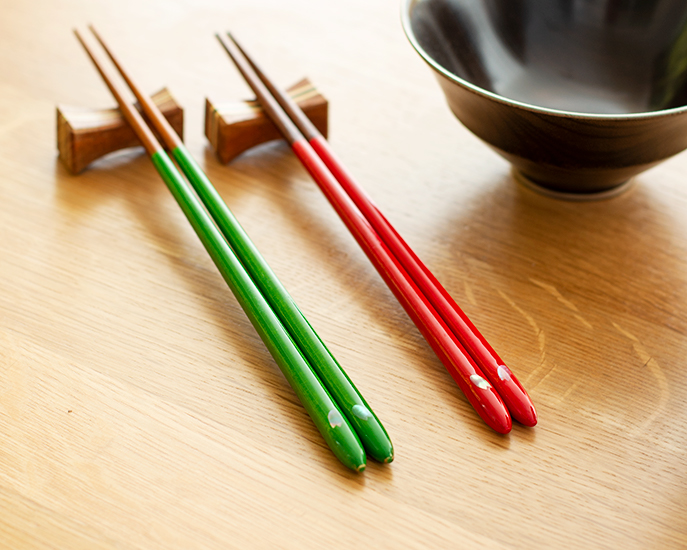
<point x="433" y="325"/>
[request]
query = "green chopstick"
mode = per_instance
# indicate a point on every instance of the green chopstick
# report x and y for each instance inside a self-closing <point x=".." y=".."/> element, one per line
<point x="370" y="430"/>
<point x="325" y="414"/>
<point x="334" y="427"/>
<point x="366" y="424"/>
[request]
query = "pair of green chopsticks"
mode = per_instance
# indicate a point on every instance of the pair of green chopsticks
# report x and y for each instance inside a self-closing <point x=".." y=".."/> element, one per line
<point x="340" y="413"/>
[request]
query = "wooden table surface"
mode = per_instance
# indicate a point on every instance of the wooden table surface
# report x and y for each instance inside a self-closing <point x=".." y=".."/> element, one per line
<point x="138" y="407"/>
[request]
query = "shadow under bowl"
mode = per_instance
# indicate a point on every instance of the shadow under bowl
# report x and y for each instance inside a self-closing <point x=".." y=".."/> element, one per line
<point x="578" y="96"/>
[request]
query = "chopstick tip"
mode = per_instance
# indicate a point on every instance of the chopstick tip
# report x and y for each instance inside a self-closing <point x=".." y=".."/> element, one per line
<point x="79" y="37"/>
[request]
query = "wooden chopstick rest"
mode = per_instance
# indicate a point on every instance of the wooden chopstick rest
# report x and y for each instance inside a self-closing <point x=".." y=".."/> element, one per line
<point x="232" y="128"/>
<point x="85" y="135"/>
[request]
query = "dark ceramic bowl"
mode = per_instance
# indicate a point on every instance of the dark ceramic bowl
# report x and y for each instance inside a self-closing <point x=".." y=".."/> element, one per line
<point x="578" y="95"/>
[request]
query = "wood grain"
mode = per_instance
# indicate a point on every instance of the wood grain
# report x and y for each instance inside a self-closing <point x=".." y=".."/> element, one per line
<point x="138" y="409"/>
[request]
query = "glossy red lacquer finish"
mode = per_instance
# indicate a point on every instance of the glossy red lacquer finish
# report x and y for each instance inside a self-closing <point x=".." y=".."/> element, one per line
<point x="509" y="388"/>
<point x="480" y="393"/>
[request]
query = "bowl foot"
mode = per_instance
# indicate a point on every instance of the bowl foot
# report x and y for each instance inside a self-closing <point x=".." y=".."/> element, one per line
<point x="523" y="180"/>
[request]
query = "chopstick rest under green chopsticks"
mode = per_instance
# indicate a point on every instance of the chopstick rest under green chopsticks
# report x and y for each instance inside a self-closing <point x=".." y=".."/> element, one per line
<point x="365" y="423"/>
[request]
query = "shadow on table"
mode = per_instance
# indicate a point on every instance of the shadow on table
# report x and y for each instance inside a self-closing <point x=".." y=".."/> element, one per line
<point x="514" y="254"/>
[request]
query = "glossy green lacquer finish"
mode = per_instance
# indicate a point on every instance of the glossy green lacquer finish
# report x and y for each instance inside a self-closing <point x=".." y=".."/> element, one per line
<point x="335" y="429"/>
<point x="366" y="424"/>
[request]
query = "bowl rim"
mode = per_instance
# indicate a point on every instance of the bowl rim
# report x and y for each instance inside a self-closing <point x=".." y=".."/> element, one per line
<point x="407" y="6"/>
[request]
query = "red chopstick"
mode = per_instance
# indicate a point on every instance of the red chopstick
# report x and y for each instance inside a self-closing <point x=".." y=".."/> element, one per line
<point x="395" y="261"/>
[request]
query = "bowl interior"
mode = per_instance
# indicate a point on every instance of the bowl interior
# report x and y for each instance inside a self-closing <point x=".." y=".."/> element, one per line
<point x="601" y="56"/>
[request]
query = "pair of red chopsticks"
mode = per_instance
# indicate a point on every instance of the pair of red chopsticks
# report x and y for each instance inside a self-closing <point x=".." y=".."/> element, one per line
<point x="486" y="381"/>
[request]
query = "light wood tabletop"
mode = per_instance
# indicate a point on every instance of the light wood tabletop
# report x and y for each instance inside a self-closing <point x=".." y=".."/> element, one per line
<point x="138" y="407"/>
